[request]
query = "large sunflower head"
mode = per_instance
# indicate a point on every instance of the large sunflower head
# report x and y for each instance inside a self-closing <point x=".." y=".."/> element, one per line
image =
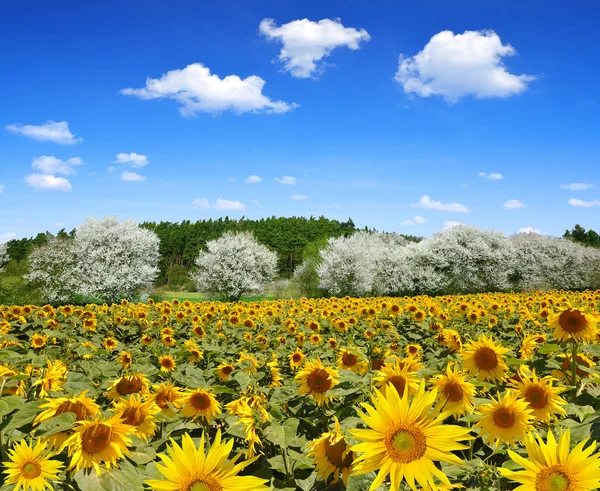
<point x="189" y="468"/>
<point x="166" y="396"/>
<point x="224" y="370"/>
<point x="200" y="403"/>
<point x="138" y="413"/>
<point x="99" y="441"/>
<point x="332" y="455"/>
<point x="406" y="436"/>
<point x="484" y="358"/>
<point x="454" y="392"/>
<point x="573" y="324"/>
<point x="552" y="466"/>
<point x="542" y="397"/>
<point x="353" y="361"/>
<point x="506" y="419"/>
<point x="167" y="363"/>
<point x="316" y="379"/>
<point x="30" y="466"/>
<point x="128" y="384"/>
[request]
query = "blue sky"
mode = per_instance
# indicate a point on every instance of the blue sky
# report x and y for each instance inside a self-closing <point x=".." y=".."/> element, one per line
<point x="325" y="100"/>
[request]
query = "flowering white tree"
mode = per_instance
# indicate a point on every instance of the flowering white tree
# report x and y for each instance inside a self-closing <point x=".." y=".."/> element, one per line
<point x="349" y="264"/>
<point x="234" y="264"/>
<point x="115" y="258"/>
<point x="53" y="266"/>
<point x="549" y="262"/>
<point x="3" y="256"/>
<point x="106" y="259"/>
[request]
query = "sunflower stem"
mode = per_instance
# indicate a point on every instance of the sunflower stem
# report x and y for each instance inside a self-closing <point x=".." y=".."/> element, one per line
<point x="574" y="348"/>
<point x="285" y="463"/>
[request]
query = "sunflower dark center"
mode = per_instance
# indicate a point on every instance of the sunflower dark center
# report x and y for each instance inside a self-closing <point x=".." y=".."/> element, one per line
<point x="133" y="416"/>
<point x="485" y="358"/>
<point x="31" y="470"/>
<point x="335" y="453"/>
<point x="555" y="478"/>
<point x="349" y="359"/>
<point x="537" y="397"/>
<point x="453" y="391"/>
<point x="96" y="438"/>
<point x="318" y="381"/>
<point x="504" y="418"/>
<point x="200" y="401"/>
<point x="405" y="444"/>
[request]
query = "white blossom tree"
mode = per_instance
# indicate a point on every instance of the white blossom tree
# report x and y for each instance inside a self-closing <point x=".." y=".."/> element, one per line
<point x="115" y="259"/>
<point x="3" y="256"/>
<point x="53" y="267"/>
<point x="233" y="265"/>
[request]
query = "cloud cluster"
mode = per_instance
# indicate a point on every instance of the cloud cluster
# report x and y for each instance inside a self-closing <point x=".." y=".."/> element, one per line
<point x="577" y="186"/>
<point x="253" y="179"/>
<point x="47" y="182"/>
<point x="298" y="197"/>
<point x="54" y="131"/>
<point x="196" y="90"/>
<point x="530" y="230"/>
<point x="457" y="65"/>
<point x="513" y="204"/>
<point x="48" y="166"/>
<point x="289" y="180"/>
<point x="306" y="43"/>
<point x="584" y="204"/>
<point x="494" y="176"/>
<point x="219" y="204"/>
<point x="133" y="159"/>
<point x="417" y="219"/>
<point x="429" y="204"/>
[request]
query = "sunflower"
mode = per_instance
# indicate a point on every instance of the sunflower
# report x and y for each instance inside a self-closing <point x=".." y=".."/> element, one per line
<point x="351" y="360"/>
<point x="224" y="370"/>
<point x="248" y="362"/>
<point x="451" y="339"/>
<point x="400" y="377"/>
<point x="125" y="359"/>
<point x="530" y="344"/>
<point x="110" y="344"/>
<point x="552" y="467"/>
<point x="413" y="350"/>
<point x="38" y="341"/>
<point x="146" y="339"/>
<point x="455" y="392"/>
<point x="573" y="324"/>
<point x="188" y="468"/>
<point x="165" y="395"/>
<point x="250" y="413"/>
<point x="98" y="441"/>
<point x="405" y="439"/>
<point x="316" y="379"/>
<point x="82" y="406"/>
<point x="332" y="455"/>
<point x="139" y="414"/>
<point x="542" y="397"/>
<point x="484" y="358"/>
<point x="200" y="403"/>
<point x="296" y="359"/>
<point x="167" y="363"/>
<point x="128" y="384"/>
<point x="506" y="419"/>
<point x="31" y="467"/>
<point x="53" y="378"/>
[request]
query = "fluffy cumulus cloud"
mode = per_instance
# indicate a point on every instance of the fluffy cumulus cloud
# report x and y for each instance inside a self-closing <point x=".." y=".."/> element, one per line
<point x="577" y="186"/>
<point x="306" y="43"/>
<point x="51" y="165"/>
<point x="1" y="188"/>
<point x="133" y="159"/>
<point x="529" y="230"/>
<point x="299" y="197"/>
<point x="513" y="204"/>
<point x="427" y="203"/>
<point x="494" y="176"/>
<point x="253" y="179"/>
<point x="196" y="90"/>
<point x="47" y="182"/>
<point x="219" y="204"/>
<point x="128" y="176"/>
<point x="584" y="204"/>
<point x="54" y="131"/>
<point x="289" y="180"/>
<point x="412" y="221"/>
<point x="457" y="65"/>
<point x="448" y="224"/>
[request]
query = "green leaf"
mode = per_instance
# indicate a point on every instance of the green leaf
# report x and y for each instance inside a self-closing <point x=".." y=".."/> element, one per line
<point x="62" y="422"/>
<point x="547" y="349"/>
<point x="243" y="379"/>
<point x="78" y="382"/>
<point x="143" y="455"/>
<point x="9" y="403"/>
<point x="23" y="416"/>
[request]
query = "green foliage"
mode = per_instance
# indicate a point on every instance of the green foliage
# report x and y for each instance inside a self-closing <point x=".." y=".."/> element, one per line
<point x="579" y="234"/>
<point x="14" y="289"/>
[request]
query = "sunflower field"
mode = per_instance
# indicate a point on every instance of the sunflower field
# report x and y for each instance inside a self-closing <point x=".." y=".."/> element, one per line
<point x="482" y="392"/>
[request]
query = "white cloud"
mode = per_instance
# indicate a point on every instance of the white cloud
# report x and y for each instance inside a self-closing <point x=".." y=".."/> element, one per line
<point x="529" y="230"/>
<point x="584" y="204"/>
<point x="286" y="180"/>
<point x="416" y="219"/>
<point x="201" y="203"/>
<point x="513" y="204"/>
<point x="225" y="204"/>
<point x="299" y="197"/>
<point x="133" y="159"/>
<point x="429" y="204"/>
<point x="132" y="177"/>
<point x="448" y="224"/>
<point x="253" y="179"/>
<point x="457" y="65"/>
<point x="51" y="165"/>
<point x="255" y="202"/>
<point x="54" y="131"/>
<point x="231" y="179"/>
<point x="494" y="176"/>
<point x="305" y="43"/>
<point x="196" y="90"/>
<point x="1" y="188"/>
<point x="5" y="237"/>
<point x="47" y="182"/>
<point x="577" y="186"/>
